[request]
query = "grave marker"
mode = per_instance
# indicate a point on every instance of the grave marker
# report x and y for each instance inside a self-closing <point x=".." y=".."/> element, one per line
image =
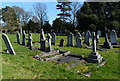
<point x="24" y="38"/>
<point x="53" y="39"/>
<point x="70" y="39"/>
<point x="18" y="37"/>
<point x="113" y="37"/>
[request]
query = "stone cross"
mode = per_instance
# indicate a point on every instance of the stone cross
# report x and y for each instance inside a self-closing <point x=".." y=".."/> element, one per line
<point x="94" y="57"/>
<point x="18" y="37"/>
<point x="87" y="38"/>
<point x="53" y="39"/>
<point x="8" y="44"/>
<point x="107" y="44"/>
<point x="78" y="40"/>
<point x="42" y="37"/>
<point x="113" y="37"/>
<point x="24" y="38"/>
<point x="61" y="42"/>
<point x="70" y="39"/>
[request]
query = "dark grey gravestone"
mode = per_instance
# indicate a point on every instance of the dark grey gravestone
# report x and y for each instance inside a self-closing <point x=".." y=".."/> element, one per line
<point x="107" y="44"/>
<point x="43" y="45"/>
<point x="18" y="37"/>
<point x="87" y="38"/>
<point x="113" y="37"/>
<point x="8" y="44"/>
<point x="53" y="39"/>
<point x="70" y="39"/>
<point x="24" y="38"/>
<point x="78" y="40"/>
<point x="94" y="57"/>
<point x="61" y="42"/>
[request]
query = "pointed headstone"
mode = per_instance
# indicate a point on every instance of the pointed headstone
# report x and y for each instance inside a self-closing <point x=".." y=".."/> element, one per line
<point x="113" y="37"/>
<point x="70" y="39"/>
<point x="53" y="39"/>
<point x="24" y="38"/>
<point x="18" y="37"/>
<point x="8" y="44"/>
<point x="42" y="36"/>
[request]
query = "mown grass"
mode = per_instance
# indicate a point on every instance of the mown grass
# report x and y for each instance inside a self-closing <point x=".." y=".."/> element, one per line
<point x="23" y="66"/>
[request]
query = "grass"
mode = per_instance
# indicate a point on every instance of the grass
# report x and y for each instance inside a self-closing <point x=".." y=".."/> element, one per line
<point x="23" y="66"/>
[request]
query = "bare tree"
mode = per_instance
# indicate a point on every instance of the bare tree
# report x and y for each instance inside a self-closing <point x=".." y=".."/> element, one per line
<point x="75" y="7"/>
<point x="41" y="12"/>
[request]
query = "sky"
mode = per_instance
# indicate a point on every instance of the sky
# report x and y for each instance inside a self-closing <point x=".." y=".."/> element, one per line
<point x="28" y="6"/>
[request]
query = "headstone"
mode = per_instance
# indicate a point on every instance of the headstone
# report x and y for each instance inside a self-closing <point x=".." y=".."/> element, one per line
<point x="97" y="38"/>
<point x="43" y="45"/>
<point x="53" y="39"/>
<point x="99" y="33"/>
<point x="8" y="44"/>
<point x="24" y="38"/>
<point x="42" y="37"/>
<point x="70" y="39"/>
<point x="30" y="40"/>
<point x="107" y="44"/>
<point x="20" y="29"/>
<point x="113" y="37"/>
<point x="78" y="40"/>
<point x="49" y="42"/>
<point x="94" y="57"/>
<point x="18" y="37"/>
<point x="87" y="38"/>
<point x="61" y="42"/>
<point x="29" y="35"/>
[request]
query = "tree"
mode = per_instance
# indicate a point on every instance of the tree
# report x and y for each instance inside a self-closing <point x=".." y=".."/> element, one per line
<point x="10" y="18"/>
<point x="41" y="12"/>
<point x="47" y="26"/>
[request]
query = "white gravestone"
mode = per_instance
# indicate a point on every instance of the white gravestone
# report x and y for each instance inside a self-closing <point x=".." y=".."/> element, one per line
<point x="8" y="44"/>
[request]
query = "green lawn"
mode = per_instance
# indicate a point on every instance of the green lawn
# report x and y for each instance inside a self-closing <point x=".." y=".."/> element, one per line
<point x="23" y="66"/>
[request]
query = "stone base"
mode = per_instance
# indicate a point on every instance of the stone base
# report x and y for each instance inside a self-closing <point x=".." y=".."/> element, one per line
<point x="94" y="57"/>
<point x="107" y="45"/>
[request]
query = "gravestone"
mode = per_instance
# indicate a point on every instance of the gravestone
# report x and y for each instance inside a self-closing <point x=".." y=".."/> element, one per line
<point x="24" y="38"/>
<point x="43" y="45"/>
<point x="97" y="38"/>
<point x="30" y="42"/>
<point x="53" y="39"/>
<point x="87" y="38"/>
<point x="18" y="37"/>
<point x="49" y="42"/>
<point x="70" y="39"/>
<point x="107" y="44"/>
<point x="8" y="44"/>
<point x="99" y="33"/>
<point x="113" y="37"/>
<point x="29" y="39"/>
<point x="94" y="57"/>
<point x="42" y="36"/>
<point x="61" y="42"/>
<point x="78" y="40"/>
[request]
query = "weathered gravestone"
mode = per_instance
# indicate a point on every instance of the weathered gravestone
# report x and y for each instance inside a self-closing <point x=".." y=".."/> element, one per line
<point x="87" y="38"/>
<point x="49" y="42"/>
<point x="61" y="42"/>
<point x="8" y="44"/>
<point x="18" y="37"/>
<point x="94" y="57"/>
<point x="30" y="42"/>
<point x="113" y="37"/>
<point x="24" y="38"/>
<point x="107" y="44"/>
<point x="99" y="33"/>
<point x="53" y="39"/>
<point x="42" y="37"/>
<point x="43" y="45"/>
<point x="70" y="39"/>
<point x="78" y="40"/>
<point x="29" y="39"/>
